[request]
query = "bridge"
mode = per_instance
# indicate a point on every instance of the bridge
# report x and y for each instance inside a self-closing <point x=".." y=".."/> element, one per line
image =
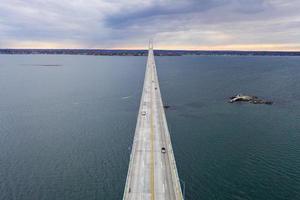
<point x="152" y="172"/>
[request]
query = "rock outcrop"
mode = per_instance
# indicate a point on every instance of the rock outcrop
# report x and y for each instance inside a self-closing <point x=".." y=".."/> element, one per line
<point x="250" y="99"/>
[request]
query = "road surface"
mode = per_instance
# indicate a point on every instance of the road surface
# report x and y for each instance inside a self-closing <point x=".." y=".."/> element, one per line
<point x="152" y="172"/>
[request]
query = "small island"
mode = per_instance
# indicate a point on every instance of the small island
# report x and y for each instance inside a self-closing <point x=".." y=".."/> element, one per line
<point x="250" y="99"/>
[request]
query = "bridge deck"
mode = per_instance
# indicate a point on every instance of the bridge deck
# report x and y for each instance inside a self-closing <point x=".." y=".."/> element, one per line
<point x="152" y="174"/>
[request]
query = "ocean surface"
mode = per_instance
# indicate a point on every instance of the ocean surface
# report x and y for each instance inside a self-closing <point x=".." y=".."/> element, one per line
<point x="67" y="125"/>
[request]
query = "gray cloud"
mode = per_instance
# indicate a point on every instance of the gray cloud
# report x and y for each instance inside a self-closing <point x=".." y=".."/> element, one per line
<point x="160" y="9"/>
<point x="173" y="24"/>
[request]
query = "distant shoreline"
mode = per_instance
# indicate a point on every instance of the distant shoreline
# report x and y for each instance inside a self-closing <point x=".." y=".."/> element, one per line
<point x="102" y="52"/>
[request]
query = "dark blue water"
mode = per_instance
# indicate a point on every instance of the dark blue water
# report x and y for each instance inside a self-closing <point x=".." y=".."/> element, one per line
<point x="66" y="129"/>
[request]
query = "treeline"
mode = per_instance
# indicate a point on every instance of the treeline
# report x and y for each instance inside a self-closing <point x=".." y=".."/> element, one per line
<point x="104" y="52"/>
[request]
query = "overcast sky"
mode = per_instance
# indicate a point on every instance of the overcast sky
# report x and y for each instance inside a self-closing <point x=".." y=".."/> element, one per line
<point x="174" y="24"/>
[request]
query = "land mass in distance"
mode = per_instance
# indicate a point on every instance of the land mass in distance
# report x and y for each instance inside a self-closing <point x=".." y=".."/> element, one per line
<point x="105" y="52"/>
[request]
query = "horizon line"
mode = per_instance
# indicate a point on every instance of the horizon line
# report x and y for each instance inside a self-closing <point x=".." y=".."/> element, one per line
<point x="158" y="49"/>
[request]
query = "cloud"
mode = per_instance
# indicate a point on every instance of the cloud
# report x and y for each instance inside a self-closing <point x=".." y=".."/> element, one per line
<point x="158" y="9"/>
<point x="129" y="24"/>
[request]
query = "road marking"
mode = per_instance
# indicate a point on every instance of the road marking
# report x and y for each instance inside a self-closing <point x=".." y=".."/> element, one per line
<point x="152" y="140"/>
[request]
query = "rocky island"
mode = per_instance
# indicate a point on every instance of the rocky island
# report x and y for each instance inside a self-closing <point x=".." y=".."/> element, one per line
<point x="250" y="99"/>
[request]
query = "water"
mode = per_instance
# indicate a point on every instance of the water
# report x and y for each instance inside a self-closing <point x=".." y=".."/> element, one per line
<point x="67" y="124"/>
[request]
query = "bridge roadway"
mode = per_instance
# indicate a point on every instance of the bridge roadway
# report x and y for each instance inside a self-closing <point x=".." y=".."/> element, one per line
<point x="152" y="174"/>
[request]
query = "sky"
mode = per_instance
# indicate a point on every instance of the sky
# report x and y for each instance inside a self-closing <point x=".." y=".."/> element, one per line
<point x="173" y="24"/>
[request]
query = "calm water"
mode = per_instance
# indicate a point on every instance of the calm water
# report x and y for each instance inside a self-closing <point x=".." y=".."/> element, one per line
<point x="66" y="129"/>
